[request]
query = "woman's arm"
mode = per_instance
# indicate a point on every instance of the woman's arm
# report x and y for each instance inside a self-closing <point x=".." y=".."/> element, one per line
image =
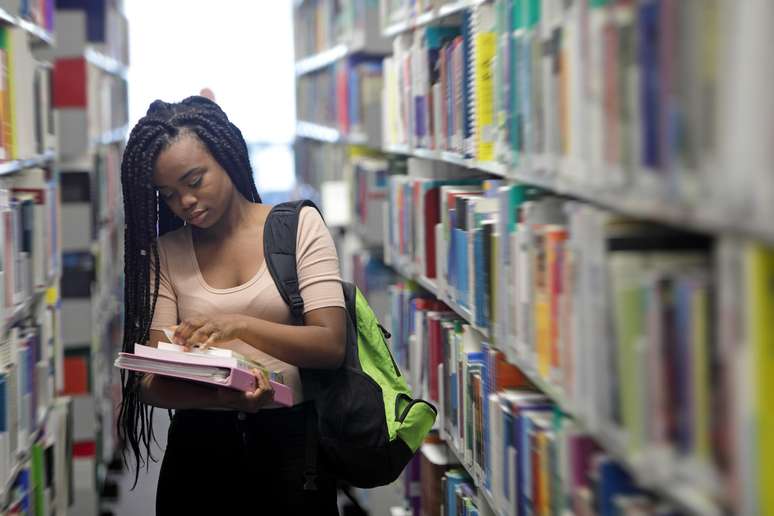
<point x="319" y="344"/>
<point x="171" y="393"/>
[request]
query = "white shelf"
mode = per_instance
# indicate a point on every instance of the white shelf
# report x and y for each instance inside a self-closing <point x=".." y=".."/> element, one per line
<point x="105" y="63"/>
<point x="17" y="165"/>
<point x="38" y="32"/>
<point x="21" y="310"/>
<point x="626" y="200"/>
<point x="322" y="60"/>
<point x="428" y="17"/>
<point x="114" y="136"/>
<point x="327" y="134"/>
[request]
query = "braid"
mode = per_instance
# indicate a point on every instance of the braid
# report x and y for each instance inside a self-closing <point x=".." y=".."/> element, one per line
<point x="147" y="218"/>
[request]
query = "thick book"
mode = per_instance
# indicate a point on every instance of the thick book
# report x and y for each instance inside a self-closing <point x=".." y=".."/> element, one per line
<point x="222" y="371"/>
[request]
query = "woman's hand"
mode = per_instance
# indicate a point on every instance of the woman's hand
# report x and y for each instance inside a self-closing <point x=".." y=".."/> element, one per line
<point x="249" y="401"/>
<point x="205" y="331"/>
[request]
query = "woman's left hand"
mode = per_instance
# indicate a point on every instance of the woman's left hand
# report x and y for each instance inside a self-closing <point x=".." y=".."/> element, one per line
<point x="205" y="331"/>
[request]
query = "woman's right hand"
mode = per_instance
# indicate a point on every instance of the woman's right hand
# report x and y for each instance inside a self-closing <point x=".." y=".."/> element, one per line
<point x="251" y="401"/>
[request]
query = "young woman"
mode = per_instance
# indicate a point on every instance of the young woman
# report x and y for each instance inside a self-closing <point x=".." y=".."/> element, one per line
<point x="194" y="259"/>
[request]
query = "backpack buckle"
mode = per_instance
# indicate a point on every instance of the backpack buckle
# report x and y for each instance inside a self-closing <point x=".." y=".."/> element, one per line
<point x="296" y="305"/>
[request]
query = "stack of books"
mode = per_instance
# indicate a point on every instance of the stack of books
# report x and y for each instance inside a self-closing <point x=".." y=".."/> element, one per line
<point x="215" y="366"/>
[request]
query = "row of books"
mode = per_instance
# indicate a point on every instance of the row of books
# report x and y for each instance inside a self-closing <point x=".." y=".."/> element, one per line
<point x="29" y="229"/>
<point x="24" y="81"/>
<point x="322" y="24"/>
<point x="517" y="445"/>
<point x="345" y="96"/>
<point x="33" y="420"/>
<point x="596" y="306"/>
<point x="602" y="94"/>
<point x="42" y="482"/>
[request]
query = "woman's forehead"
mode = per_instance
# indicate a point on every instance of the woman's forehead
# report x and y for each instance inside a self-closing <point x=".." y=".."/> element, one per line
<point x="178" y="158"/>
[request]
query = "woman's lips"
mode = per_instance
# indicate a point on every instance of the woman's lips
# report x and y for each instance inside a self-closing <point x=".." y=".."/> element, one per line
<point x="197" y="217"/>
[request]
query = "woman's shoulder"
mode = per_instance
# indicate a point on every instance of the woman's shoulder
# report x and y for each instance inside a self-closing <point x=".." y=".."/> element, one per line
<point x="174" y="240"/>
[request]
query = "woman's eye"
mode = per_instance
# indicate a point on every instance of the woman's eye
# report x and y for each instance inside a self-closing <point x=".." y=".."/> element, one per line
<point x="196" y="182"/>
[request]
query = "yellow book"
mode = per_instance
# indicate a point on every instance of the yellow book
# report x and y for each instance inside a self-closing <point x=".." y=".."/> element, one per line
<point x="543" y="506"/>
<point x="485" y="48"/>
<point x="760" y="282"/>
<point x="542" y="305"/>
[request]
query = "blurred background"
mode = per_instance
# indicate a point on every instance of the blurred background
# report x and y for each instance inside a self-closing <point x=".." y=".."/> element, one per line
<point x="560" y="209"/>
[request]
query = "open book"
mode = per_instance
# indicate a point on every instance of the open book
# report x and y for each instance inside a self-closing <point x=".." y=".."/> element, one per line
<point x="216" y="366"/>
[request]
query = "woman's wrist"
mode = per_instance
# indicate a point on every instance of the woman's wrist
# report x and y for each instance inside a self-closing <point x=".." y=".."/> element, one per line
<point x="240" y="325"/>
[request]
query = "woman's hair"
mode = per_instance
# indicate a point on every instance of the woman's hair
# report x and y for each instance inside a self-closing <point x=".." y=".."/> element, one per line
<point x="147" y="217"/>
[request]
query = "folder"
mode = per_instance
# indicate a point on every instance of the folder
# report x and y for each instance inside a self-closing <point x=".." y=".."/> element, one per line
<point x="200" y="368"/>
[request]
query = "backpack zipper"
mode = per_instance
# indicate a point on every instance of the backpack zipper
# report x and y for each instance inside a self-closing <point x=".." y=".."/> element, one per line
<point x="386" y="335"/>
<point x="411" y="404"/>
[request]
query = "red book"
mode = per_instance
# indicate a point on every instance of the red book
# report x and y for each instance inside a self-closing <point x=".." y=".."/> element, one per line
<point x="70" y="83"/>
<point x="432" y="217"/>
<point x="76" y="375"/>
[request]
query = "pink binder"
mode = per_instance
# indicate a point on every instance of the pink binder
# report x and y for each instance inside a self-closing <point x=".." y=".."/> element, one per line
<point x="197" y="369"/>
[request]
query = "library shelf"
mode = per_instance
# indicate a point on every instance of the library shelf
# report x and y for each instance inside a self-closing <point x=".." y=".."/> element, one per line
<point x="17" y="165"/>
<point x="630" y="200"/>
<point x="323" y="133"/>
<point x="684" y="495"/>
<point x="39" y="33"/>
<point x="36" y="31"/>
<point x="426" y="18"/>
<point x="22" y="310"/>
<point x="113" y="136"/>
<point x="105" y="63"/>
<point x="322" y="59"/>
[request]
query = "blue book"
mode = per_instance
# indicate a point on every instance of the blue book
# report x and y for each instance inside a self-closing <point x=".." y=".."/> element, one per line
<point x="461" y="259"/>
<point x="454" y="478"/>
<point x="523" y="427"/>
<point x="613" y="482"/>
<point x="480" y="277"/>
<point x="649" y="46"/>
<point x="683" y="295"/>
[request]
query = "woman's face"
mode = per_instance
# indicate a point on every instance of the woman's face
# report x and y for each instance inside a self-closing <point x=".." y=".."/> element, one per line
<point x="194" y="186"/>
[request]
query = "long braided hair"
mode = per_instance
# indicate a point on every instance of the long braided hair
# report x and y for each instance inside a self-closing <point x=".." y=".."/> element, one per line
<point x="147" y="217"/>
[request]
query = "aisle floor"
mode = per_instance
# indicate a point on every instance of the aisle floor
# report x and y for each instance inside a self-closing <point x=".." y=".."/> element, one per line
<point x="142" y="500"/>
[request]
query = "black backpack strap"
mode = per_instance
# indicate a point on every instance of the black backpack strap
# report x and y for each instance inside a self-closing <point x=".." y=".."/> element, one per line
<point x="279" y="251"/>
<point x="280" y="233"/>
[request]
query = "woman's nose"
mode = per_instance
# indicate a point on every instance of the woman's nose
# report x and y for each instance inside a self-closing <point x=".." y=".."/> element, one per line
<point x="188" y="201"/>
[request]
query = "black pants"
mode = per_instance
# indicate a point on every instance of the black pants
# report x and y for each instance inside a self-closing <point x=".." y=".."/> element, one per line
<point x="219" y="462"/>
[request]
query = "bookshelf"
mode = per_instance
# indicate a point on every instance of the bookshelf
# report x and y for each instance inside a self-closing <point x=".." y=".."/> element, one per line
<point x="590" y="148"/>
<point x="32" y="439"/>
<point x="90" y="64"/>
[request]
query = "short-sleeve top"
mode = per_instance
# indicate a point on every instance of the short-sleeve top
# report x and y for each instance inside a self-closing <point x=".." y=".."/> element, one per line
<point x="184" y="293"/>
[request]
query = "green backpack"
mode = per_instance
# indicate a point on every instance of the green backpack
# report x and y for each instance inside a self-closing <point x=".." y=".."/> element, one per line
<point x="368" y="424"/>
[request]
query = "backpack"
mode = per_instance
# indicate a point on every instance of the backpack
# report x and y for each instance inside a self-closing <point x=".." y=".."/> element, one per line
<point x="368" y="424"/>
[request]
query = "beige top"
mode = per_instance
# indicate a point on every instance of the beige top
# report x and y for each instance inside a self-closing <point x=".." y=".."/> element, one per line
<point x="183" y="293"/>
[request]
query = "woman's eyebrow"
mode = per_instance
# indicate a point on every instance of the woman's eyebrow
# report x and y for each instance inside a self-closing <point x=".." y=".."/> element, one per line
<point x="185" y="176"/>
